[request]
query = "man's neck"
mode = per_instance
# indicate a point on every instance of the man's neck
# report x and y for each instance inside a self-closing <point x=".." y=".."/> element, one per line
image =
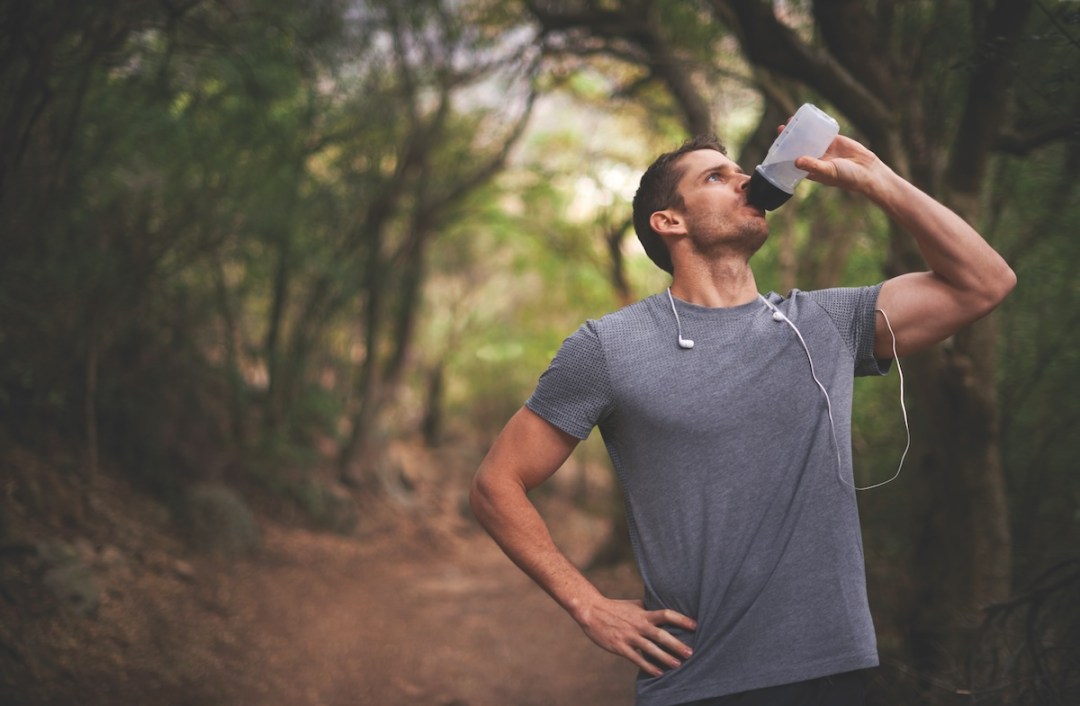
<point x="716" y="284"/>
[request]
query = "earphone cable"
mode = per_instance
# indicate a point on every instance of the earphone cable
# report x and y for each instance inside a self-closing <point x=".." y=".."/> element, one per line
<point x="903" y="409"/>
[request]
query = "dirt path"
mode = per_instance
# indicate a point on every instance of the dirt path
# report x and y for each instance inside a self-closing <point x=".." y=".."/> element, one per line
<point x="419" y="607"/>
<point x="316" y="619"/>
<point x="340" y="622"/>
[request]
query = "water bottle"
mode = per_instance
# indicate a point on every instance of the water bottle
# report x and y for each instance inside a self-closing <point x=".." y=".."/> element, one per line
<point x="809" y="133"/>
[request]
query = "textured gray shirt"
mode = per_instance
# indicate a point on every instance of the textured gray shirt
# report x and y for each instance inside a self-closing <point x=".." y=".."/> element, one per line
<point x="741" y="511"/>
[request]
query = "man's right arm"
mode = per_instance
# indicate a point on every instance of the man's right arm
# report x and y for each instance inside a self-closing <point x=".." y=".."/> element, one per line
<point x="528" y="452"/>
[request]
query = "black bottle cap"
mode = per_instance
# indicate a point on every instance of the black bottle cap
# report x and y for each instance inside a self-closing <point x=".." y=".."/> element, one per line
<point x="763" y="194"/>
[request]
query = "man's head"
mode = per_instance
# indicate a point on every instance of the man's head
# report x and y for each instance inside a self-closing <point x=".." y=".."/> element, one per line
<point x="658" y="190"/>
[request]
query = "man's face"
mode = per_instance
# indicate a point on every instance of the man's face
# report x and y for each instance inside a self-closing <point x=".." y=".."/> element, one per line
<point x="713" y="190"/>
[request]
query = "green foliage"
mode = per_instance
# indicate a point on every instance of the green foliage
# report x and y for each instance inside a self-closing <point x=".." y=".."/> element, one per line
<point x="513" y="279"/>
<point x="1037" y="198"/>
<point x="213" y="248"/>
<point x="180" y="175"/>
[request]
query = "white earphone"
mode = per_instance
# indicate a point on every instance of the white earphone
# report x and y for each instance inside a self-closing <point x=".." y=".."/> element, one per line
<point x="684" y="343"/>
<point x="777" y="315"/>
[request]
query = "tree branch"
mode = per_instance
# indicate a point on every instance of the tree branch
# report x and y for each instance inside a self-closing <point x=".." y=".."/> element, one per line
<point x="985" y="105"/>
<point x="1021" y="143"/>
<point x="642" y="31"/>
<point x="852" y="36"/>
<point x="770" y="44"/>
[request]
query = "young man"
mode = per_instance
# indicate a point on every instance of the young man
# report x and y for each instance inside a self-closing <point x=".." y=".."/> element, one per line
<point x="727" y="417"/>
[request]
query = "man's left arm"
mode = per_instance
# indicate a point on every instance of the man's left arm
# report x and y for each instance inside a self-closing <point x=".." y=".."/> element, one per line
<point x="967" y="277"/>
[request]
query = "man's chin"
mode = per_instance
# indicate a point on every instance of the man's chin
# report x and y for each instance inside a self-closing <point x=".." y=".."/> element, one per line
<point x="755" y="234"/>
<point x="747" y="241"/>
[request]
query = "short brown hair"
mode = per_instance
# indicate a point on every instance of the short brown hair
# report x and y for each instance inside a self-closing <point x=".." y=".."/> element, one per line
<point x="659" y="189"/>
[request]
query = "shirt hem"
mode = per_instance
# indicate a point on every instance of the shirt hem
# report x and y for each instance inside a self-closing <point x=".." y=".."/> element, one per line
<point x="726" y="687"/>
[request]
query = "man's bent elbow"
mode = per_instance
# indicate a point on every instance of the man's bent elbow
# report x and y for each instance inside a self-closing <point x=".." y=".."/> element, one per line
<point x="996" y="288"/>
<point x="480" y="497"/>
<point x="484" y="496"/>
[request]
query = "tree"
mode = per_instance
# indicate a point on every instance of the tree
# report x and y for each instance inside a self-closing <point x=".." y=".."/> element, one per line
<point x="438" y="154"/>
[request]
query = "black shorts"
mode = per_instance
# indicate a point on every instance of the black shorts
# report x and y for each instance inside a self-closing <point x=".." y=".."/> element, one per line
<point x="847" y="689"/>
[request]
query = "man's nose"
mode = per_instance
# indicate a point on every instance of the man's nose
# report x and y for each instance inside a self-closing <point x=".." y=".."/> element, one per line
<point x="745" y="184"/>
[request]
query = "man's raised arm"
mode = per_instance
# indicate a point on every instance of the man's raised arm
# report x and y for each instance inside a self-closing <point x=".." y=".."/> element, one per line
<point x="967" y="278"/>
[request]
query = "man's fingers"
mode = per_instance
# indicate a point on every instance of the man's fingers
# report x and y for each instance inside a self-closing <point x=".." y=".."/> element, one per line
<point x="661" y="644"/>
<point x="666" y="616"/>
<point x="817" y="168"/>
<point x="643" y="664"/>
<point x="673" y="645"/>
<point x="639" y="635"/>
<point x="658" y="656"/>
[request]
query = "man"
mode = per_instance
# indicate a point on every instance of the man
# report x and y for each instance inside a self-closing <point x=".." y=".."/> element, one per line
<point x="727" y="418"/>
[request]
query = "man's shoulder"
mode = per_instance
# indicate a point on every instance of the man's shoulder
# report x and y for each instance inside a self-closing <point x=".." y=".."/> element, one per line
<point x="640" y="316"/>
<point x="598" y="336"/>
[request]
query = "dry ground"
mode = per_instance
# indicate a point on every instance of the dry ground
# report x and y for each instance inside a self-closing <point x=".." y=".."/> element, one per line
<point x="419" y="607"/>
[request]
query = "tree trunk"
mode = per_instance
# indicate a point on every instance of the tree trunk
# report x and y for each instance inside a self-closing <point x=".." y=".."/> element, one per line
<point x="961" y="558"/>
<point x="962" y="553"/>
<point x="275" y="402"/>
<point x="231" y="337"/>
<point x="432" y="424"/>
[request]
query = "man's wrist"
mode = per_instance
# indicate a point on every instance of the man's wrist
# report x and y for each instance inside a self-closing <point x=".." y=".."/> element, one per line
<point x="884" y="186"/>
<point x="581" y="607"/>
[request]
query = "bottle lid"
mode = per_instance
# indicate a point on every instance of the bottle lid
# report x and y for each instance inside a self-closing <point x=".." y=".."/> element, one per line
<point x="763" y="193"/>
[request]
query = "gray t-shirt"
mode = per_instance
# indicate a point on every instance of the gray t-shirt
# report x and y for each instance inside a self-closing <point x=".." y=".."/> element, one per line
<point x="741" y="510"/>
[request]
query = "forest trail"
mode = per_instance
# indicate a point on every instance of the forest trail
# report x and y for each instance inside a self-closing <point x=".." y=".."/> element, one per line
<point x="417" y="606"/>
<point x="330" y="621"/>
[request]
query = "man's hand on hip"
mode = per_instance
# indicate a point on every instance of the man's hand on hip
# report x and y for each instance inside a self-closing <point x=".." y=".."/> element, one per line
<point x="628" y="630"/>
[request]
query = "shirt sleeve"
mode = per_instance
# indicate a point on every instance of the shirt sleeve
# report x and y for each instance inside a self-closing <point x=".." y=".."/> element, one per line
<point x="574" y="393"/>
<point x="853" y="309"/>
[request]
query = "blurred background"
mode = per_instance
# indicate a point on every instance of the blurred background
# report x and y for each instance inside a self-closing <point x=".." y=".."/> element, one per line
<point x="273" y="275"/>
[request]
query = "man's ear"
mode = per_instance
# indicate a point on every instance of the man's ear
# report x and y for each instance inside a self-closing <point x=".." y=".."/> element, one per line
<point x="667" y="222"/>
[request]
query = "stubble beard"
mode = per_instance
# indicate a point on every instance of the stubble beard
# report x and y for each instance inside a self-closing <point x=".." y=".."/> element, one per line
<point x="743" y="238"/>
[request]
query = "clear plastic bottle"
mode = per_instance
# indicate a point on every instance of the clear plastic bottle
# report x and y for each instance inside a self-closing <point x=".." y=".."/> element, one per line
<point x="809" y="133"/>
